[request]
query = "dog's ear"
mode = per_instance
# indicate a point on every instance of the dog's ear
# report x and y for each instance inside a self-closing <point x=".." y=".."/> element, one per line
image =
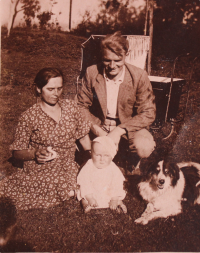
<point x="148" y="167"/>
<point x="149" y="164"/>
<point x="174" y="172"/>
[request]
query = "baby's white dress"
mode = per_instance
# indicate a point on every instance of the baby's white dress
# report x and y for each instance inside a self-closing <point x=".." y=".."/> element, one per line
<point x="103" y="184"/>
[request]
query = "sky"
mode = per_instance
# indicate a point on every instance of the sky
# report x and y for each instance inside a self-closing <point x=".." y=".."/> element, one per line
<point x="78" y="9"/>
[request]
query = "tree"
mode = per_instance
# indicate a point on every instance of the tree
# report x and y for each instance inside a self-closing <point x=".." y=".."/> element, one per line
<point x="114" y="15"/>
<point x="70" y="15"/>
<point x="176" y="26"/>
<point x="44" y="17"/>
<point x="29" y="7"/>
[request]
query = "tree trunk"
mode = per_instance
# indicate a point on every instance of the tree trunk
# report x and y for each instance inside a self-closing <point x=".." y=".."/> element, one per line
<point x="146" y="17"/>
<point x="70" y="15"/>
<point x="151" y="35"/>
<point x="12" y="15"/>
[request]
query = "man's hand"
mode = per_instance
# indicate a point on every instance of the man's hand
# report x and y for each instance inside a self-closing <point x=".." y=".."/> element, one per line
<point x="116" y="134"/>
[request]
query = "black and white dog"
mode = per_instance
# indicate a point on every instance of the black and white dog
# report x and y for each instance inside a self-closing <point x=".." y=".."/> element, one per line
<point x="165" y="185"/>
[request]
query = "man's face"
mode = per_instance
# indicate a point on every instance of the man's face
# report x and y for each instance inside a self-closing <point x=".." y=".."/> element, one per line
<point x="113" y="63"/>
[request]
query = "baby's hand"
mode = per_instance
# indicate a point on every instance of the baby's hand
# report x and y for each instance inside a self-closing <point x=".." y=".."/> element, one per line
<point x="116" y="204"/>
<point x="113" y="204"/>
<point x="92" y="202"/>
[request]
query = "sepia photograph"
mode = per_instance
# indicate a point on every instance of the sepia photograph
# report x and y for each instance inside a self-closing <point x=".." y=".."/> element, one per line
<point x="100" y="126"/>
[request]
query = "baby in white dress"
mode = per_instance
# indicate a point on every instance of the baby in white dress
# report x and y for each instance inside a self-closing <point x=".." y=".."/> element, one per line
<point x="100" y="180"/>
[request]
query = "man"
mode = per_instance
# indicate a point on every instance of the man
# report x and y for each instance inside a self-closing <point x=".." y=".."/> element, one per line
<point x="118" y="99"/>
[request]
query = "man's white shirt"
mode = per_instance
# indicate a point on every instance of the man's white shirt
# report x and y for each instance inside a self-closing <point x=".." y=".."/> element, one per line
<point x="112" y="88"/>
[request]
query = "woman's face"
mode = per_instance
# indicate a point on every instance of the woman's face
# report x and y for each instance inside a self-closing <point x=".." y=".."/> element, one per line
<point x="113" y="63"/>
<point x="51" y="92"/>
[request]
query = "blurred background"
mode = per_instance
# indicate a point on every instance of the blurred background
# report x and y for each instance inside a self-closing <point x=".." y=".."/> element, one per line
<point x="176" y="23"/>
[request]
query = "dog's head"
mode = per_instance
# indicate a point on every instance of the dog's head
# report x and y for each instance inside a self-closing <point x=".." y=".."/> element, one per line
<point x="161" y="174"/>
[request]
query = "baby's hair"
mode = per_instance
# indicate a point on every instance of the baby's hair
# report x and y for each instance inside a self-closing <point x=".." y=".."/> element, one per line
<point x="115" y="43"/>
<point x="108" y="145"/>
<point x="92" y="144"/>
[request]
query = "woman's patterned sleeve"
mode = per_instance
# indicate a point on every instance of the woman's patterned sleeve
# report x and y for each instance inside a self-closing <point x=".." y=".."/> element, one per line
<point x="22" y="134"/>
<point x="83" y="126"/>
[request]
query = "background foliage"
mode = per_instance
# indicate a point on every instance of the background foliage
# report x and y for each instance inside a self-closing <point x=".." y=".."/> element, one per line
<point x="176" y="24"/>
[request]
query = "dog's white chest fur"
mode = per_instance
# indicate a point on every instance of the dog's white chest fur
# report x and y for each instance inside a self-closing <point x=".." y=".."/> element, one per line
<point x="168" y="199"/>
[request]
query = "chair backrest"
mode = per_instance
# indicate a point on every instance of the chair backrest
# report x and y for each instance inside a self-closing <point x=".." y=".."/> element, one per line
<point x="138" y="51"/>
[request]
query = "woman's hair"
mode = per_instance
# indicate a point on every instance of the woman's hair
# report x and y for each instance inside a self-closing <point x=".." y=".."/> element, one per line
<point x="116" y="43"/>
<point x="44" y="75"/>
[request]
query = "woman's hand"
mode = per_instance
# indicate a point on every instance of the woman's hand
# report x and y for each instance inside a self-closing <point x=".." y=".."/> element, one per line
<point x="43" y="155"/>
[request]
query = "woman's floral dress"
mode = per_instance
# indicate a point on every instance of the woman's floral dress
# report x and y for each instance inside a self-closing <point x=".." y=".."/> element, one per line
<point x="45" y="185"/>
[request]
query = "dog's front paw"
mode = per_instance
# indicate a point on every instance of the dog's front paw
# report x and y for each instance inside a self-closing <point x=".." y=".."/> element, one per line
<point x="141" y="220"/>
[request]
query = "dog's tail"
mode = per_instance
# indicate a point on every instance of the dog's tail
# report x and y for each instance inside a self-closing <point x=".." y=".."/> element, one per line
<point x="191" y="171"/>
<point x="191" y="164"/>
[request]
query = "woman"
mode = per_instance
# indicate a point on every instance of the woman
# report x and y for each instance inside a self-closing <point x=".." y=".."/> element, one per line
<point x="45" y="140"/>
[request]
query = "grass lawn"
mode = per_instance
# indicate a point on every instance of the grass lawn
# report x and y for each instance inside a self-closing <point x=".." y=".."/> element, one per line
<point x="65" y="228"/>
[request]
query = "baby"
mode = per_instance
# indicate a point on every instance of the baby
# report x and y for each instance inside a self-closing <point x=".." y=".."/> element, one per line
<point x="100" y="180"/>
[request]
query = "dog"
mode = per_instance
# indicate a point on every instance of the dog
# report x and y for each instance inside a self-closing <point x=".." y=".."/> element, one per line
<point x="165" y="186"/>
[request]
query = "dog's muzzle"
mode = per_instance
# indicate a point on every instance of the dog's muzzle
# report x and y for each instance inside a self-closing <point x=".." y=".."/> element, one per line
<point x="161" y="183"/>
